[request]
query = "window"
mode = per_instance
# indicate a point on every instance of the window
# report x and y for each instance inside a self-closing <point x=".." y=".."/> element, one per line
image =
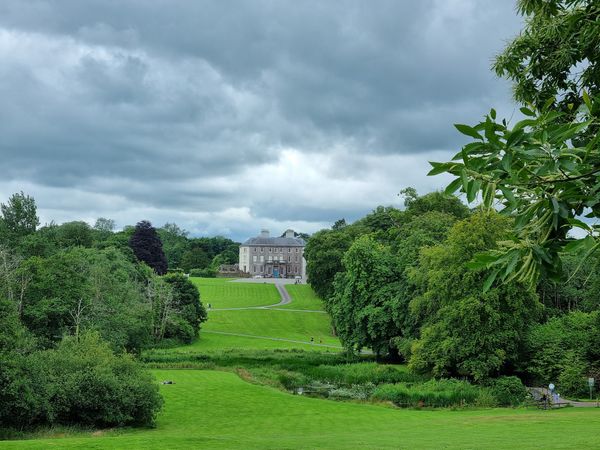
<point x="289" y="250"/>
<point x="296" y="258"/>
<point x="262" y="249"/>
<point x="262" y="258"/>
<point x="270" y="250"/>
<point x="289" y="259"/>
<point x="296" y="250"/>
<point x="253" y="268"/>
<point x="270" y="258"/>
<point x="254" y="249"/>
<point x="253" y="258"/>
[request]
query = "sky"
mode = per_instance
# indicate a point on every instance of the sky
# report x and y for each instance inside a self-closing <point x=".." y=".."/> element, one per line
<point x="226" y="117"/>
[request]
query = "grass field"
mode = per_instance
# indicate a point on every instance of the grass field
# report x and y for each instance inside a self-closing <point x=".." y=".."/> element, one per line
<point x="303" y="297"/>
<point x="223" y="293"/>
<point x="208" y="409"/>
<point x="222" y="409"/>
<point x="260" y="328"/>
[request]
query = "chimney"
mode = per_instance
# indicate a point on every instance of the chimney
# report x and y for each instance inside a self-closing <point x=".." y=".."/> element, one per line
<point x="289" y="233"/>
<point x="264" y="233"/>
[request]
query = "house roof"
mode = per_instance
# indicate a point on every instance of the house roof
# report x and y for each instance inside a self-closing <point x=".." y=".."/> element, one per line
<point x="276" y="241"/>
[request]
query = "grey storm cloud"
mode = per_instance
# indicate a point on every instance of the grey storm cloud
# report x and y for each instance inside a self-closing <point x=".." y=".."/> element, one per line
<point x="228" y="115"/>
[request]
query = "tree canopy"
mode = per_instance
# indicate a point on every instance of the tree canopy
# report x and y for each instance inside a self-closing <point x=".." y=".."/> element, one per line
<point x="147" y="247"/>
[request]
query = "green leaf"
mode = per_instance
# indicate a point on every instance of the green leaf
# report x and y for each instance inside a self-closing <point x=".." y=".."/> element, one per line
<point x="472" y="190"/>
<point x="587" y="100"/>
<point x="438" y="168"/>
<point x="468" y="131"/>
<point x="527" y="112"/>
<point x="490" y="280"/>
<point x="453" y="187"/>
<point x="507" y="162"/>
<point x="579" y="224"/>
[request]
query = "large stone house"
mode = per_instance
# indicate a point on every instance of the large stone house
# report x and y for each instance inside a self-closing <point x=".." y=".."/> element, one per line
<point x="278" y="257"/>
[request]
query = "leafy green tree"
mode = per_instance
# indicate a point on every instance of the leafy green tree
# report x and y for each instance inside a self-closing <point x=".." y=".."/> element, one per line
<point x="147" y="247"/>
<point x="104" y="225"/>
<point x="195" y="258"/>
<point x="364" y="293"/>
<point x="175" y="243"/>
<point x="324" y="252"/>
<point x="81" y="289"/>
<point x="464" y="330"/>
<point x="74" y="234"/>
<point x="563" y="342"/>
<point x="555" y="58"/>
<point x="19" y="218"/>
<point x="186" y="301"/>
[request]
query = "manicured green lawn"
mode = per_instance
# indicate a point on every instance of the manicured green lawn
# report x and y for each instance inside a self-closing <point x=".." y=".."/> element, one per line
<point x="209" y="409"/>
<point x="303" y="297"/>
<point x="291" y="325"/>
<point x="223" y="293"/>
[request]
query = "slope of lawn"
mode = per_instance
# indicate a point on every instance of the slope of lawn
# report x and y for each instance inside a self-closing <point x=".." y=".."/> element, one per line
<point x="280" y="324"/>
<point x="223" y="293"/>
<point x="208" y="409"/>
<point x="303" y="297"/>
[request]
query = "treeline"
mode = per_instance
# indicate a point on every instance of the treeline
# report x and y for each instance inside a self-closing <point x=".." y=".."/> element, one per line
<point x="77" y="304"/>
<point x="402" y="284"/>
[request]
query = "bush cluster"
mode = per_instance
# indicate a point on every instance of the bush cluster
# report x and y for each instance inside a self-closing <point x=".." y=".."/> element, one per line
<point x="81" y="382"/>
<point x="203" y="273"/>
<point x="433" y="393"/>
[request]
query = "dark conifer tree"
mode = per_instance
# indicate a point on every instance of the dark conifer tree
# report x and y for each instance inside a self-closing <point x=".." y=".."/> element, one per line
<point x="147" y="247"/>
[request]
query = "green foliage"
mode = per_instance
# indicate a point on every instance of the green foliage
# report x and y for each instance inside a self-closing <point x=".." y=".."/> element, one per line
<point x="19" y="218"/>
<point x="556" y="55"/>
<point x="365" y="292"/>
<point x="324" y="252"/>
<point x="464" y="330"/>
<point x="563" y="342"/>
<point x="436" y="202"/>
<point x="433" y="393"/>
<point x="89" y="385"/>
<point x="508" y="391"/>
<point x="187" y="304"/>
<point x="572" y="380"/>
<point x="195" y="258"/>
<point x="203" y="273"/>
<point x="86" y="289"/>
<point x="74" y="234"/>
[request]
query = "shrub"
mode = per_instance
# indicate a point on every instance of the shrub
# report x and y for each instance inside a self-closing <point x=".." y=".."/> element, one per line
<point x="572" y="380"/>
<point x="349" y="374"/>
<point x="180" y="330"/>
<point x="89" y="385"/>
<point x="508" y="391"/>
<point x="203" y="273"/>
<point x="433" y="393"/>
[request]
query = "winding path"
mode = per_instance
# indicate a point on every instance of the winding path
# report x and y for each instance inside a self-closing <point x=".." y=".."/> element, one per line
<point x="286" y="299"/>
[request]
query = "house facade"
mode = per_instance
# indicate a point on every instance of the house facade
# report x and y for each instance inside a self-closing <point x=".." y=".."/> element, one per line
<point x="278" y="257"/>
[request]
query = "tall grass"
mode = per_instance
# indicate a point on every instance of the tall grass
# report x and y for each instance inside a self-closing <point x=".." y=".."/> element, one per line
<point x="433" y="393"/>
